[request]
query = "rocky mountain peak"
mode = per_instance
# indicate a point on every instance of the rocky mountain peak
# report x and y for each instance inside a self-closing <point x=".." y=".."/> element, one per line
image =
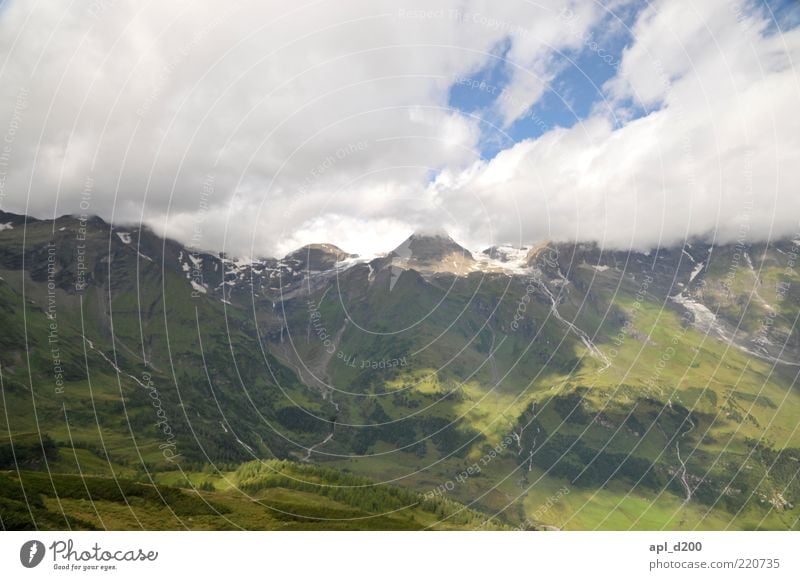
<point x="318" y="257"/>
<point x="425" y="247"/>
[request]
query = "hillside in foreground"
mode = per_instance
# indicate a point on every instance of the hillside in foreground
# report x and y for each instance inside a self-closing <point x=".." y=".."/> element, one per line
<point x="551" y="386"/>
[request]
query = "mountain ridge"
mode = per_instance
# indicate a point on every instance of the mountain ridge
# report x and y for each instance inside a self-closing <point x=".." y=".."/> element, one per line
<point x="554" y="357"/>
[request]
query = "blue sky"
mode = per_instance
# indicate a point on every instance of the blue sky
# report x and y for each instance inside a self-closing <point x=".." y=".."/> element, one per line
<point x="136" y="100"/>
<point x="578" y="86"/>
<point x="570" y="97"/>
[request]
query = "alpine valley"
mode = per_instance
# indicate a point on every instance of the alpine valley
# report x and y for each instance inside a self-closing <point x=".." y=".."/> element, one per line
<point x="146" y="384"/>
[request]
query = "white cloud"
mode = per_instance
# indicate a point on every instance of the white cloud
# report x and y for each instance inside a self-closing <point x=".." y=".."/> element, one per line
<point x="271" y="124"/>
<point x="717" y="153"/>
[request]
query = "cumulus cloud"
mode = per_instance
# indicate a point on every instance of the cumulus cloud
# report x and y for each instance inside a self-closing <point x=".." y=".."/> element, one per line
<point x="698" y="137"/>
<point x="266" y="125"/>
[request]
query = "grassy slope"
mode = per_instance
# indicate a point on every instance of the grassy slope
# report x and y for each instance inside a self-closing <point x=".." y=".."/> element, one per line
<point x="635" y="409"/>
<point x="259" y="496"/>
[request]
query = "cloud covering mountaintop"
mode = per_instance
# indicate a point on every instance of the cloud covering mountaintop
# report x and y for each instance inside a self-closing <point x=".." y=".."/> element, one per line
<point x="257" y="127"/>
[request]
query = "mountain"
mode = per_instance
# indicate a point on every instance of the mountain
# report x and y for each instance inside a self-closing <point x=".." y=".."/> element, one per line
<point x="429" y="248"/>
<point x="506" y="253"/>
<point x="659" y="386"/>
<point x="318" y="257"/>
<point x="427" y="253"/>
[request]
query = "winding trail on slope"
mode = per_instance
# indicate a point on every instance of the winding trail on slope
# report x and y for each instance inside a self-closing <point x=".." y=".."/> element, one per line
<point x="313" y="374"/>
<point x="587" y="341"/>
<point x="310" y="450"/>
<point x="706" y="321"/>
<point x="113" y="364"/>
<point x="683" y="471"/>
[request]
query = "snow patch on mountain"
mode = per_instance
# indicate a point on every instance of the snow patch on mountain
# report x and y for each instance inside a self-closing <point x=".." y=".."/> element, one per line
<point x="704" y="319"/>
<point x="503" y="258"/>
<point x="198" y="287"/>
<point x="696" y="271"/>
